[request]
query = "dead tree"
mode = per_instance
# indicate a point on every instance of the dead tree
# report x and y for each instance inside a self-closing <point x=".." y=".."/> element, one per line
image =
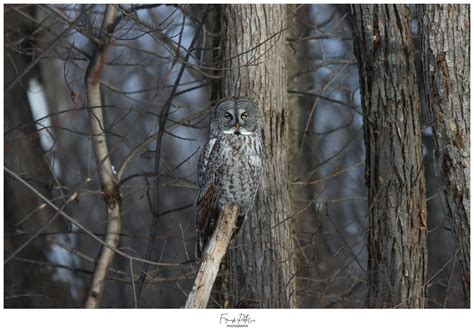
<point x="212" y="256"/>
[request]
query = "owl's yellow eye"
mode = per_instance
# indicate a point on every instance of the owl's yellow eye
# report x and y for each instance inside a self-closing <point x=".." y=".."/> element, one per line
<point x="244" y="115"/>
<point x="228" y="116"/>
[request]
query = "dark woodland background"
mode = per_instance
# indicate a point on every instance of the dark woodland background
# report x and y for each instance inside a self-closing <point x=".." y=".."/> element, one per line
<point x="366" y="107"/>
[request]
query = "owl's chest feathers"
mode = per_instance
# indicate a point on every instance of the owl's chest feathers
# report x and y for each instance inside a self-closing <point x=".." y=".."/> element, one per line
<point x="245" y="146"/>
<point x="241" y="169"/>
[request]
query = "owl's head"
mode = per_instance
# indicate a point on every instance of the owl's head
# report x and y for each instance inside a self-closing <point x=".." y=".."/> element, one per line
<point x="239" y="116"/>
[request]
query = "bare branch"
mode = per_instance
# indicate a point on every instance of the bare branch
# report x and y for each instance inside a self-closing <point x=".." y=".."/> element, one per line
<point x="212" y="257"/>
<point x="111" y="194"/>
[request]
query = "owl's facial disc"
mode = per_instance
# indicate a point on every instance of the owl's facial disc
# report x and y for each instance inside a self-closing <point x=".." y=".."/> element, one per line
<point x="236" y="117"/>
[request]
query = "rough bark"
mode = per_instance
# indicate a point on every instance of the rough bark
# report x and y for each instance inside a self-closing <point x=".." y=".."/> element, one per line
<point x="295" y="61"/>
<point x="262" y="264"/>
<point x="397" y="247"/>
<point x="445" y="57"/>
<point x="108" y="180"/>
<point x="213" y="254"/>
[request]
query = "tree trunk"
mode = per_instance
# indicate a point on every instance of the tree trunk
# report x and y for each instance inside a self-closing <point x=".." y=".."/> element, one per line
<point x="397" y="247"/>
<point x="262" y="272"/>
<point x="446" y="69"/>
<point x="296" y="61"/>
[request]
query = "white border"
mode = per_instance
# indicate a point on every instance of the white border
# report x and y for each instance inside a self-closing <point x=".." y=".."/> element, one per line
<point x="161" y="320"/>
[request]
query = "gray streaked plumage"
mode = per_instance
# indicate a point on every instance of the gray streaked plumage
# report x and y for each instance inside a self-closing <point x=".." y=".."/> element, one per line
<point x="230" y="165"/>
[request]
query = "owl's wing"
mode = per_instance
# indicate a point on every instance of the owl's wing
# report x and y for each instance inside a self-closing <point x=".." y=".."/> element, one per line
<point x="208" y="177"/>
<point x="204" y="219"/>
<point x="203" y="162"/>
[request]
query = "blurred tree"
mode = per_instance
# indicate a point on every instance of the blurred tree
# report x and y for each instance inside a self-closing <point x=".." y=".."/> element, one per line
<point x="296" y="61"/>
<point x="29" y="282"/>
<point x="397" y="267"/>
<point x="446" y="70"/>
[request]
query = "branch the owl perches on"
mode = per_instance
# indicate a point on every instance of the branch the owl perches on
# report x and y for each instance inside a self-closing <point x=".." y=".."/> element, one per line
<point x="212" y="256"/>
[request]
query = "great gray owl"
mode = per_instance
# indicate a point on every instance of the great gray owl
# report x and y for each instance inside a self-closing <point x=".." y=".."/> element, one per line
<point x="230" y="165"/>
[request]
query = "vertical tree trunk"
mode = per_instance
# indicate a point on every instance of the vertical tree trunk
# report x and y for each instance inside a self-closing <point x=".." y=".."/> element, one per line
<point x="295" y="61"/>
<point x="446" y="69"/>
<point x="262" y="264"/>
<point x="394" y="161"/>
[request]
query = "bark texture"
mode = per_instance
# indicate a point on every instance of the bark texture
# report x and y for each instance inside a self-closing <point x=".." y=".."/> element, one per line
<point x="262" y="264"/>
<point x="446" y="69"/>
<point x="295" y="62"/>
<point x="213" y="254"/>
<point x="397" y="247"/>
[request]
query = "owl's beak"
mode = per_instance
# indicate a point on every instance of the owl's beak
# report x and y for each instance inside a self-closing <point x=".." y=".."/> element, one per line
<point x="237" y="126"/>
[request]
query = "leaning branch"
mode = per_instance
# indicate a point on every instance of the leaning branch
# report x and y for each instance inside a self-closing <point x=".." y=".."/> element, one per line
<point x="108" y="180"/>
<point x="212" y="257"/>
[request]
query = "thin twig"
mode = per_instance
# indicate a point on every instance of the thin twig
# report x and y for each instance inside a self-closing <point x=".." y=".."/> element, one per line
<point x="132" y="278"/>
<point x="84" y="229"/>
<point x="46" y="50"/>
<point x="41" y="228"/>
<point x="162" y="124"/>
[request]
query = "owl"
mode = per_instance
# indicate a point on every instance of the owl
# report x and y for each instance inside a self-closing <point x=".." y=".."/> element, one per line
<point x="230" y="165"/>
